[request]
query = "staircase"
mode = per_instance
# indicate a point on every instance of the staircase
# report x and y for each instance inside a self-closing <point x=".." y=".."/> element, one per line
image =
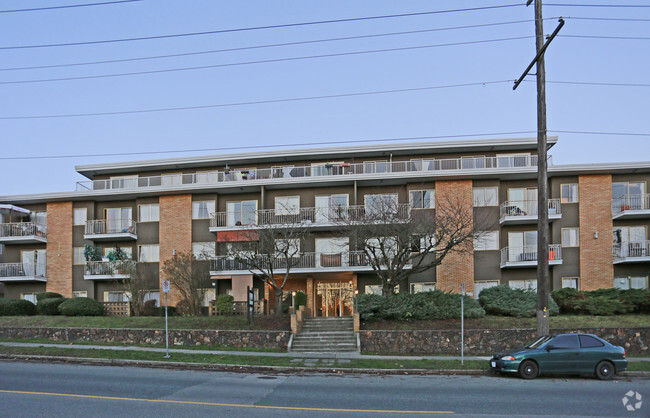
<point x="326" y="335"/>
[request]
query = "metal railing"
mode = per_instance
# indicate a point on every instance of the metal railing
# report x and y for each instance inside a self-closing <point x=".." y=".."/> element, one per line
<point x="22" y="270"/>
<point x="529" y="253"/>
<point x="314" y="216"/>
<point x="630" y="202"/>
<point x="319" y="170"/>
<point x="23" y="229"/>
<point x="528" y="208"/>
<point x="113" y="226"/>
<point x="631" y="249"/>
<point x="107" y="268"/>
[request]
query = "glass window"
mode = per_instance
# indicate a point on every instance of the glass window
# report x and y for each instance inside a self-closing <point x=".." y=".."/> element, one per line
<point x="78" y="256"/>
<point x="565" y="341"/>
<point x="39" y="218"/>
<point x="570" y="237"/>
<point x="2" y="248"/>
<point x="523" y="284"/>
<point x="377" y="204"/>
<point x="375" y="289"/>
<point x="149" y="253"/>
<point x="203" y="250"/>
<point x="152" y="295"/>
<point x="241" y="213"/>
<point x="79" y="216"/>
<point x="149" y="213"/>
<point x="422" y="199"/>
<point x="289" y="247"/>
<point x="571" y="282"/>
<point x="287" y="205"/>
<point x="587" y="341"/>
<point x="486" y="196"/>
<point x="80" y="294"/>
<point x="569" y="193"/>
<point x="625" y="283"/>
<point x="29" y="296"/>
<point x="202" y="209"/>
<point x="421" y="287"/>
<point x="115" y="297"/>
<point x="479" y="286"/>
<point x="118" y="220"/>
<point x="486" y="240"/>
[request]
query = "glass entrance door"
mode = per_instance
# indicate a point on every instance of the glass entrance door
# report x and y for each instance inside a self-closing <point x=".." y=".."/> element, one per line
<point x="335" y="299"/>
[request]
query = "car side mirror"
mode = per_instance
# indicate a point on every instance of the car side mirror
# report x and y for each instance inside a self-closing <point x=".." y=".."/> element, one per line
<point x="550" y="347"/>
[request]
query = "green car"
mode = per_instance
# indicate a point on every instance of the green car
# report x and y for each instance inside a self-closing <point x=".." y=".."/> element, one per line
<point x="564" y="353"/>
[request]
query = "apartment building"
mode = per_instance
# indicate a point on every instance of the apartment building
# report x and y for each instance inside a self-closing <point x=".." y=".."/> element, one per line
<point x="599" y="216"/>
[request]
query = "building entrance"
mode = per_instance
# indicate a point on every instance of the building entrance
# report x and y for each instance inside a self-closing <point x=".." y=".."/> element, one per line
<point x="335" y="299"/>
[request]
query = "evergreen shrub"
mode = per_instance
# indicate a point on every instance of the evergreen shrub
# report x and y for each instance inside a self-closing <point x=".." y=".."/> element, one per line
<point x="81" y="307"/>
<point x="602" y="301"/>
<point x="504" y="301"/>
<point x="47" y="295"/>
<point x="16" y="307"/>
<point x="49" y="306"/>
<point x="223" y="304"/>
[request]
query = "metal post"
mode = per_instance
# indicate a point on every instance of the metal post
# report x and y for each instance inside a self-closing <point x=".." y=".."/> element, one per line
<point x="462" y="323"/>
<point x="166" y="330"/>
<point x="248" y="307"/>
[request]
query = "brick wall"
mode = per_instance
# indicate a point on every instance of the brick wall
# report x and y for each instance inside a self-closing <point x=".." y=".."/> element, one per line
<point x="59" y="248"/>
<point x="175" y="232"/>
<point x="456" y="268"/>
<point x="595" y="213"/>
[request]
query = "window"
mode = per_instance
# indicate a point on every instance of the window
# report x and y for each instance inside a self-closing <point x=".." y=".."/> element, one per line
<point x="570" y="282"/>
<point x="479" y="286"/>
<point x="570" y="237"/>
<point x="152" y="295"/>
<point x="2" y="248"/>
<point x="115" y="297"/>
<point x="523" y="284"/>
<point x="78" y="256"/>
<point x="375" y="289"/>
<point x="241" y="213"/>
<point x="124" y="182"/>
<point x="382" y="247"/>
<point x="118" y="220"/>
<point x="522" y="246"/>
<point x="29" y="296"/>
<point x="79" y="216"/>
<point x="149" y="253"/>
<point x="202" y="209"/>
<point x="80" y="294"/>
<point x="203" y="250"/>
<point x="486" y="240"/>
<point x="565" y="341"/>
<point x="569" y="193"/>
<point x="422" y="165"/>
<point x="422" y="199"/>
<point x="149" y="213"/>
<point x="375" y="167"/>
<point x="378" y="204"/>
<point x="522" y="201"/>
<point x="290" y="247"/>
<point x="331" y="208"/>
<point x="622" y="189"/>
<point x="39" y="218"/>
<point x="631" y="283"/>
<point x="421" y="244"/>
<point x="128" y="251"/>
<point x="287" y="205"/>
<point x="587" y="341"/>
<point x="486" y="196"/>
<point x="421" y="287"/>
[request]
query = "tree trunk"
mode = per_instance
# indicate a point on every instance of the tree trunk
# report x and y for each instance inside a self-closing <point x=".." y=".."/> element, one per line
<point x="386" y="290"/>
<point x="278" y="302"/>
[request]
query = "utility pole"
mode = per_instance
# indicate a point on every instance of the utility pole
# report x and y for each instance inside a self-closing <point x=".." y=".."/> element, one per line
<point x="543" y="273"/>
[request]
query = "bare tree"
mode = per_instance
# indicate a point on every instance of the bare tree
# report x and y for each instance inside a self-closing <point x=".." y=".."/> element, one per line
<point x="190" y="277"/>
<point x="398" y="240"/>
<point x="135" y="285"/>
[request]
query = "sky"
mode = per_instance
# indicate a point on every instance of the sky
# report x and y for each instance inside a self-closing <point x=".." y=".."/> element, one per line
<point x="449" y="77"/>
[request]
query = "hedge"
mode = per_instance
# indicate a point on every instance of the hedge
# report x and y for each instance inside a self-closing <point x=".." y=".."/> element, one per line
<point x="425" y="305"/>
<point x="223" y="304"/>
<point x="504" y="301"/>
<point x="603" y="301"/>
<point x="15" y="307"/>
<point x="47" y="295"/>
<point x="49" y="306"/>
<point x="81" y="307"/>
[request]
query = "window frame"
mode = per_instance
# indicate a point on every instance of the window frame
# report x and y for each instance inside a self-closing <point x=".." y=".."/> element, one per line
<point x="74" y="256"/>
<point x="432" y="199"/>
<point x="577" y="237"/>
<point x="213" y="247"/>
<point x="577" y="282"/>
<point x="496" y="241"/>
<point x="570" y="196"/>
<point x="412" y="286"/>
<point x="148" y="246"/>
<point x="287" y="209"/>
<point x="148" y="205"/>
<point x="483" y="197"/>
<point x="80" y="294"/>
<point x="74" y="216"/>
<point x="196" y="208"/>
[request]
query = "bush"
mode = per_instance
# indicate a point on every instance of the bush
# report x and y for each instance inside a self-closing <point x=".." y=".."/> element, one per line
<point x="425" y="305"/>
<point x="223" y="304"/>
<point x="14" y="307"/>
<point x="171" y="311"/>
<point x="149" y="308"/>
<point x="49" y="306"/>
<point x="603" y="301"/>
<point x="301" y="299"/>
<point x="505" y="301"/>
<point x="81" y="307"/>
<point x="47" y="295"/>
<point x="567" y="299"/>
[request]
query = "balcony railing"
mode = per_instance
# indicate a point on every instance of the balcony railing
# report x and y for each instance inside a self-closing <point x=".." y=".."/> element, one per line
<point x="324" y="170"/>
<point x="630" y="202"/>
<point x="26" y="271"/>
<point x="113" y="227"/>
<point x="636" y="251"/>
<point x="522" y="208"/>
<point x="349" y="259"/>
<point x="512" y="256"/>
<point x="23" y="231"/>
<point x="108" y="268"/>
<point x="315" y="216"/>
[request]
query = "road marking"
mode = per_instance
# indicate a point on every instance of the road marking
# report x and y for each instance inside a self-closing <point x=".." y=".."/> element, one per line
<point x="232" y="405"/>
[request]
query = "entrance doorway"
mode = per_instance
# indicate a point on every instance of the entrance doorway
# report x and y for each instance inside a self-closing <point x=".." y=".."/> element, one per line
<point x="335" y="299"/>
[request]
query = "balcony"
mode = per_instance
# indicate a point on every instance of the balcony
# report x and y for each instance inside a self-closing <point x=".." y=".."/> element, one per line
<point x="22" y="272"/>
<point x="111" y="230"/>
<point x="23" y="233"/>
<point x="631" y="206"/>
<point x="521" y="257"/>
<point x="105" y="270"/>
<point x="631" y="252"/>
<point x="519" y="212"/>
<point x="313" y="217"/>
<point x="304" y="263"/>
<point x="240" y="177"/>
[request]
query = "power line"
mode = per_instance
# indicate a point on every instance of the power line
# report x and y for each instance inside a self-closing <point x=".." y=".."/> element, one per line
<point x="602" y="133"/>
<point x="267" y="46"/>
<point x="599" y="5"/>
<point x="285" y="25"/>
<point x="35" y="9"/>
<point x="629" y="38"/>
<point x="203" y="67"/>
<point x="613" y="19"/>
<point x="589" y="83"/>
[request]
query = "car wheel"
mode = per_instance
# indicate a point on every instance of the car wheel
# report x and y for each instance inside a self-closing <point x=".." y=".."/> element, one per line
<point x="528" y="369"/>
<point x="605" y="370"/>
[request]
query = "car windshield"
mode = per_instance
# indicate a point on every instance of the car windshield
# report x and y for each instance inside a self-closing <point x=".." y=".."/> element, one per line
<point x="541" y="340"/>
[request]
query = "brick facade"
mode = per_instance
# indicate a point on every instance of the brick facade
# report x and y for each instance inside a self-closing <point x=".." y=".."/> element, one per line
<point x="59" y="248"/>
<point x="595" y="213"/>
<point x="175" y="232"/>
<point x="456" y="267"/>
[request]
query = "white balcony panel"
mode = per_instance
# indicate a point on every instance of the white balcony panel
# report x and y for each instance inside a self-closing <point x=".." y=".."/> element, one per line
<point x="23" y="233"/>
<point x="631" y="207"/>
<point x="631" y="252"/>
<point x="22" y="272"/>
<point x="116" y="230"/>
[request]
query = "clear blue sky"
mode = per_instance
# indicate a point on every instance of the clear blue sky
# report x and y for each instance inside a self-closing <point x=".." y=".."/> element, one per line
<point x="480" y="109"/>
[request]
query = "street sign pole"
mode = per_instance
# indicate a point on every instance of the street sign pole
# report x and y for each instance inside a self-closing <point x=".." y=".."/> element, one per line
<point x="462" y="323"/>
<point x="165" y="288"/>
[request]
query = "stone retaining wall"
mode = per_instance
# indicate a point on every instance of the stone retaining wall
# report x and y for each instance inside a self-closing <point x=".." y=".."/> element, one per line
<point x="480" y="342"/>
<point x="230" y="338"/>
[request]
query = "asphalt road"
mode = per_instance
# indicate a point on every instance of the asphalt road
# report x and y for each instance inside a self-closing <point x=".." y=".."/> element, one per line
<point x="35" y="389"/>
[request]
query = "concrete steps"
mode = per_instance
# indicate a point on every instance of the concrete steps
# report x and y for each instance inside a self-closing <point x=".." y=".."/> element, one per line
<point x="326" y="335"/>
